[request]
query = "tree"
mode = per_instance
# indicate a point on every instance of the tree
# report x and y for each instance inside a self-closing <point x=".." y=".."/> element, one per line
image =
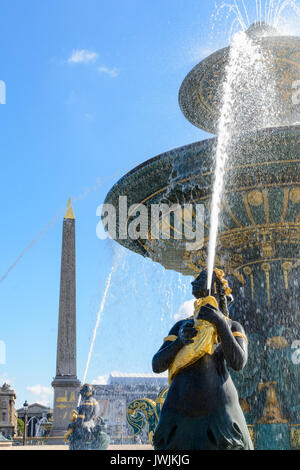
<point x="20" y="427"/>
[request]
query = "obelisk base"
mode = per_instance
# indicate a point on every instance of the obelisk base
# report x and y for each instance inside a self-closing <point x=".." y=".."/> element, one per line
<point x="66" y="394"/>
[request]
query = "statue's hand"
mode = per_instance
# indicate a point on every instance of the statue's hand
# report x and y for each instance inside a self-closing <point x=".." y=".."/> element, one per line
<point x="73" y="416"/>
<point x="211" y="314"/>
<point x="187" y="332"/>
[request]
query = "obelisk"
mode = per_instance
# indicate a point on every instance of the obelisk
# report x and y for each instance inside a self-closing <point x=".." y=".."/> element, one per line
<point x="65" y="384"/>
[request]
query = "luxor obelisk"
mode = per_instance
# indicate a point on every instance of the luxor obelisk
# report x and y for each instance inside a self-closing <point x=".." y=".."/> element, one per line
<point x="65" y="384"/>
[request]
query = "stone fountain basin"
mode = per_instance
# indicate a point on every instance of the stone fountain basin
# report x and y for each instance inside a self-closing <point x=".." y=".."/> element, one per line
<point x="260" y="215"/>
<point x="199" y="95"/>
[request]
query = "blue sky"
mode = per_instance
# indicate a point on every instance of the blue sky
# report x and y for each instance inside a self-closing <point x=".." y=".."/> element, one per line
<point x="92" y="91"/>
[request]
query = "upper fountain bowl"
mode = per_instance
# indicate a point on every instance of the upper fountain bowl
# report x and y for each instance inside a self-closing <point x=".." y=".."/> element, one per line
<point x="260" y="29"/>
<point x="200" y="95"/>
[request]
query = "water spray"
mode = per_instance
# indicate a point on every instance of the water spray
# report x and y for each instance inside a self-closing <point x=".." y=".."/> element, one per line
<point x="269" y="11"/>
<point x="99" y="314"/>
<point x="116" y="262"/>
<point x="222" y="151"/>
<point x="31" y="244"/>
<point x="245" y="58"/>
<point x="58" y="214"/>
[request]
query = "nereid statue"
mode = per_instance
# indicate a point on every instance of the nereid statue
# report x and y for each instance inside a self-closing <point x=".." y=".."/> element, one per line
<point x="202" y="410"/>
<point x="87" y="430"/>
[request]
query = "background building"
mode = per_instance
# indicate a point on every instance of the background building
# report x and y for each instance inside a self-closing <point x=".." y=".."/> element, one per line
<point x="115" y="396"/>
<point x="35" y="413"/>
<point x="8" y="414"/>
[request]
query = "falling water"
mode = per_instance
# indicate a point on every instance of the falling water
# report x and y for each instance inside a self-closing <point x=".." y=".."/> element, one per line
<point x="245" y="13"/>
<point x="280" y="7"/>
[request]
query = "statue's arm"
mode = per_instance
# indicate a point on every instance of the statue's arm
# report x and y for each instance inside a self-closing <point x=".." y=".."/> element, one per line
<point x="166" y="354"/>
<point x="81" y="414"/>
<point x="233" y="339"/>
<point x="234" y="344"/>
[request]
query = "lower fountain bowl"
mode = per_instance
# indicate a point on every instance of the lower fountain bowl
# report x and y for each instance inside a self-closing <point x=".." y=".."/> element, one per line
<point x="260" y="214"/>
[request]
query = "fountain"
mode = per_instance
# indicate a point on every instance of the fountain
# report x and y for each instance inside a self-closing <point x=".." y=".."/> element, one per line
<point x="44" y="426"/>
<point x="258" y="229"/>
<point x="87" y="428"/>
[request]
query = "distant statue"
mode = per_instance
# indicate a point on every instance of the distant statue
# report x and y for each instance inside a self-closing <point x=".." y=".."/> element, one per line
<point x="201" y="410"/>
<point x="87" y="429"/>
<point x="5" y="387"/>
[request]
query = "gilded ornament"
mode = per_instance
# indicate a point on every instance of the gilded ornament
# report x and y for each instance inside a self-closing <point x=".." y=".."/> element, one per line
<point x="295" y="436"/>
<point x="255" y="198"/>
<point x="271" y="413"/>
<point x="295" y="195"/>
<point x="277" y="342"/>
<point x="205" y="339"/>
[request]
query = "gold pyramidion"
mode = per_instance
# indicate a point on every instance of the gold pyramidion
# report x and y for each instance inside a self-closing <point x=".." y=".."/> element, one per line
<point x="70" y="213"/>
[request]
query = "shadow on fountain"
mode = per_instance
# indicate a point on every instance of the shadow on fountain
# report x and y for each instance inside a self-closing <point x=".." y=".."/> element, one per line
<point x="269" y="385"/>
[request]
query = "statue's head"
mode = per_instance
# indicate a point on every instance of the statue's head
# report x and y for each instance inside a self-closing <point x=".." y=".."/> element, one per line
<point x="199" y="285"/>
<point x="87" y="391"/>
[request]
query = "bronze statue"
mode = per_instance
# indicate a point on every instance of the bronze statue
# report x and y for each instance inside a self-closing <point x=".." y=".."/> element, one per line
<point x="87" y="430"/>
<point x="202" y="410"/>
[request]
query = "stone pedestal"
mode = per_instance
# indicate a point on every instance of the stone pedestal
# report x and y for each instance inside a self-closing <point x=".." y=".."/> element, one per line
<point x="66" y="394"/>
